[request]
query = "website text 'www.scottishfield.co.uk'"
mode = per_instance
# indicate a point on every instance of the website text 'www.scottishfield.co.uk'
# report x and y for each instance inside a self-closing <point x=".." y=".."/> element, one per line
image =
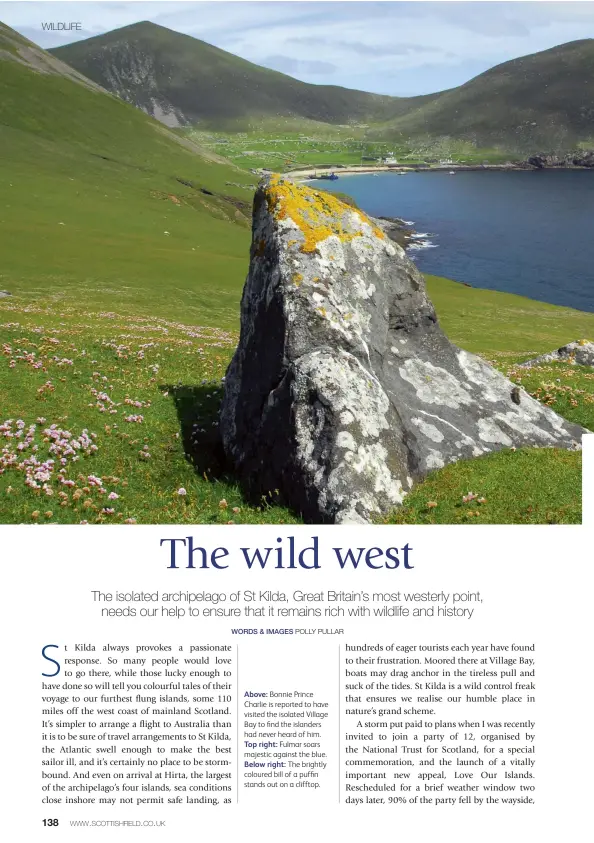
<point x="111" y="823"/>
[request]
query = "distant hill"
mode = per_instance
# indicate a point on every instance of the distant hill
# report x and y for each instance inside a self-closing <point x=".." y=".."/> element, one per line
<point x="181" y="80"/>
<point x="540" y="102"/>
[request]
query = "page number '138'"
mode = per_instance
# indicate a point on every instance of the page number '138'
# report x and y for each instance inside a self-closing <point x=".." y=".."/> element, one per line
<point x="51" y="822"/>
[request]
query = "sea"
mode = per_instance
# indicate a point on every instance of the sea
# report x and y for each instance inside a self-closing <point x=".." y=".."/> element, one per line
<point x="524" y="232"/>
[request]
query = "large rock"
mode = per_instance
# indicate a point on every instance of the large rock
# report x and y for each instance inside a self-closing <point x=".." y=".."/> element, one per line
<point x="344" y="390"/>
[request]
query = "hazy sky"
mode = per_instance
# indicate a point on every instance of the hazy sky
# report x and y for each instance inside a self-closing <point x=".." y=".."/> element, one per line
<point x="399" y="48"/>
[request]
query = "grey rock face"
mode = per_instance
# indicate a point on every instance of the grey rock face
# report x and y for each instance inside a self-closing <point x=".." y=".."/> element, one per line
<point x="573" y="159"/>
<point x="580" y="352"/>
<point x="344" y="390"/>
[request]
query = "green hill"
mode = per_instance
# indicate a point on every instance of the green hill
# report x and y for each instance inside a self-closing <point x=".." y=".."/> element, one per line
<point x="540" y="102"/>
<point x="100" y="197"/>
<point x="182" y="80"/>
<point x="124" y="251"/>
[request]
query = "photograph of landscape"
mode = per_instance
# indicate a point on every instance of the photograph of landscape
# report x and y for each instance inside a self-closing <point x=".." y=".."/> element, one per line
<point x="285" y="262"/>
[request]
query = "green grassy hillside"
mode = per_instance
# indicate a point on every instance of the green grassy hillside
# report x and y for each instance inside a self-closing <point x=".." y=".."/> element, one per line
<point x="123" y="256"/>
<point x="97" y="195"/>
<point x="542" y="101"/>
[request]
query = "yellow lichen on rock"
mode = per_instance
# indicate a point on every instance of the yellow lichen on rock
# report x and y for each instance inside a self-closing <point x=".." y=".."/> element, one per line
<point x="318" y="215"/>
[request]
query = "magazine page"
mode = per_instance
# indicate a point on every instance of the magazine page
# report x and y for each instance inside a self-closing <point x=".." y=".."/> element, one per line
<point x="296" y="416"/>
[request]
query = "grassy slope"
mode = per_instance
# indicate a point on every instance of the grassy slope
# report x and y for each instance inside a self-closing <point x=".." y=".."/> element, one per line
<point x="501" y="326"/>
<point x="85" y="177"/>
<point x="88" y="188"/>
<point x="292" y="144"/>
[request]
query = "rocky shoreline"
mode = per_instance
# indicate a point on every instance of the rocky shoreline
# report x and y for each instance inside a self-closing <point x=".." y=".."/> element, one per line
<point x="398" y="230"/>
<point x="571" y="161"/>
